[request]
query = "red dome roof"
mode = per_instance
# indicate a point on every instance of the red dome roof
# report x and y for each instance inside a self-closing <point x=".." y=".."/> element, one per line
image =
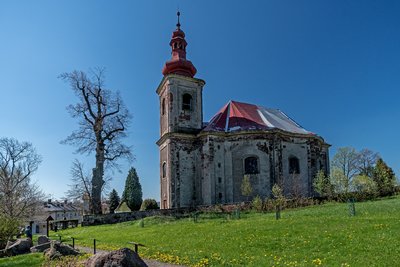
<point x="178" y="63"/>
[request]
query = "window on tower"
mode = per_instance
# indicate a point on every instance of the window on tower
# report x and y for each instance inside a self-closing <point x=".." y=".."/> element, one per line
<point x="163" y="107"/>
<point x="187" y="102"/>
<point x="164" y="170"/>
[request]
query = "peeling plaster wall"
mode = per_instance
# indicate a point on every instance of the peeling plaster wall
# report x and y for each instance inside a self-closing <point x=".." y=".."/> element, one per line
<point x="295" y="184"/>
<point x="208" y="168"/>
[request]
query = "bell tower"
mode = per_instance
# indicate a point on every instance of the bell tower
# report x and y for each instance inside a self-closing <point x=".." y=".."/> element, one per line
<point x="181" y="114"/>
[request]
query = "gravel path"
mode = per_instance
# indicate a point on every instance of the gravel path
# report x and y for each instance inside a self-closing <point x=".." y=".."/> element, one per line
<point x="150" y="263"/>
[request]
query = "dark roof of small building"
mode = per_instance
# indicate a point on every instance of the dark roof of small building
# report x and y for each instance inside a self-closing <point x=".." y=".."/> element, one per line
<point x="236" y="116"/>
<point x="59" y="206"/>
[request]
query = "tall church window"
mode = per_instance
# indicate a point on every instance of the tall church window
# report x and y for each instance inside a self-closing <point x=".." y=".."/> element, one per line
<point x="187" y="102"/>
<point x="251" y="165"/>
<point x="294" y="165"/>
<point x="164" y="170"/>
<point x="163" y="106"/>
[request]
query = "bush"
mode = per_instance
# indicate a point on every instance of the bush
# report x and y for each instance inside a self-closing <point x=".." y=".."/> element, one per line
<point x="9" y="227"/>
<point x="149" y="204"/>
<point x="257" y="204"/>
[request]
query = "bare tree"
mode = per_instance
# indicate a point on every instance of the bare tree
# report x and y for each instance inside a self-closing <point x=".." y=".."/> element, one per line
<point x="366" y="161"/>
<point x="103" y="119"/>
<point x="19" y="197"/>
<point x="344" y="166"/>
<point x="81" y="182"/>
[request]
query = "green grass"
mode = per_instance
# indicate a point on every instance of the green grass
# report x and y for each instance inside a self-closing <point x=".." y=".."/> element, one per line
<point x="31" y="260"/>
<point x="324" y="235"/>
<point x="321" y="235"/>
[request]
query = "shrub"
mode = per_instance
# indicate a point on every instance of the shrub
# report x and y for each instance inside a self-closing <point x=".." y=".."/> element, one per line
<point x="9" y="227"/>
<point x="149" y="204"/>
<point x="257" y="204"/>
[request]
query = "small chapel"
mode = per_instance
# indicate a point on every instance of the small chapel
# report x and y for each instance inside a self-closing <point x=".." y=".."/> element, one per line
<point x="205" y="163"/>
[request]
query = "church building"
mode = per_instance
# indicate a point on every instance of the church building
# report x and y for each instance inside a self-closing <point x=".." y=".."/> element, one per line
<point x="205" y="163"/>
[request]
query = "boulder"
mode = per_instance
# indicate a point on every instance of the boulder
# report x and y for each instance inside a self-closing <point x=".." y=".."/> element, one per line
<point x="123" y="257"/>
<point x="21" y="246"/>
<point x="58" y="249"/>
<point x="52" y="253"/>
<point x="43" y="239"/>
<point x="3" y="253"/>
<point x="41" y="247"/>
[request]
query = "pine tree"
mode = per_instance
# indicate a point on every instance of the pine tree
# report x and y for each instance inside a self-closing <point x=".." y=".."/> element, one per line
<point x="133" y="191"/>
<point x="114" y="200"/>
<point x="384" y="178"/>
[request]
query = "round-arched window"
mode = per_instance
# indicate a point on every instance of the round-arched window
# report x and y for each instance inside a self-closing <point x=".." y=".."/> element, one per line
<point x="187" y="102"/>
<point x="163" y="107"/>
<point x="294" y="165"/>
<point x="251" y="165"/>
<point x="164" y="170"/>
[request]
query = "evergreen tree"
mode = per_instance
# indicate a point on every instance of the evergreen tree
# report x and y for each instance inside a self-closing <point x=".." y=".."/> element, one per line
<point x="133" y="191"/>
<point x="384" y="178"/>
<point x="114" y="200"/>
<point x="149" y="204"/>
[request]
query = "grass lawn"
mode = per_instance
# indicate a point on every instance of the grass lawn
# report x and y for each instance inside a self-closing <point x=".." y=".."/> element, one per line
<point x="321" y="235"/>
<point x="31" y="260"/>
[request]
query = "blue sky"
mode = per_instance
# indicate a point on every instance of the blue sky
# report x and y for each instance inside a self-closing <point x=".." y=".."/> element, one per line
<point x="333" y="66"/>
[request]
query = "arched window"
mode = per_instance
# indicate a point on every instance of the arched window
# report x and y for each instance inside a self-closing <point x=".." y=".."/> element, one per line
<point x="164" y="170"/>
<point x="163" y="107"/>
<point x="187" y="102"/>
<point x="251" y="165"/>
<point x="294" y="165"/>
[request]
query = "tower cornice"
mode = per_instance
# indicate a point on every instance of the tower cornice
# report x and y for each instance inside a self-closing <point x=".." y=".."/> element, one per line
<point x="178" y="77"/>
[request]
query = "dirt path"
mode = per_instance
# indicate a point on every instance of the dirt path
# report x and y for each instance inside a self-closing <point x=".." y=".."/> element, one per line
<point x="150" y="263"/>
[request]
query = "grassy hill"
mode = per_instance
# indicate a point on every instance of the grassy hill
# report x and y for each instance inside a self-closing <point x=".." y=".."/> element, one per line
<point x="321" y="235"/>
<point x="315" y="236"/>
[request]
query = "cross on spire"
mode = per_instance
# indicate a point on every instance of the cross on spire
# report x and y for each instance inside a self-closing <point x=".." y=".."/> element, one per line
<point x="178" y="25"/>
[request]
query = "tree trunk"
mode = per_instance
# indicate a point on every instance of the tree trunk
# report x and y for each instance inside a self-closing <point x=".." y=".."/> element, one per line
<point x="97" y="180"/>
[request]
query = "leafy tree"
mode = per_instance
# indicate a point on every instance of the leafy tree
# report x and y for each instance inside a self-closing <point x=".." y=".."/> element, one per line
<point x="149" y="204"/>
<point x="364" y="184"/>
<point x="257" y="204"/>
<point x="132" y="194"/>
<point x="339" y="181"/>
<point x="20" y="198"/>
<point x="246" y="187"/>
<point x="114" y="200"/>
<point x="279" y="199"/>
<point x="322" y="185"/>
<point x="103" y="122"/>
<point x="344" y="168"/>
<point x="9" y="227"/>
<point x="384" y="178"/>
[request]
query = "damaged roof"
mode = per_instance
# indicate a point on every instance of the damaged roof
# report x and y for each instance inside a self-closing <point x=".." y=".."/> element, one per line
<point x="237" y="116"/>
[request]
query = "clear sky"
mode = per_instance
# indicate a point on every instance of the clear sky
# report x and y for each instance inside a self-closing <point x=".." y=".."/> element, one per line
<point x="333" y="66"/>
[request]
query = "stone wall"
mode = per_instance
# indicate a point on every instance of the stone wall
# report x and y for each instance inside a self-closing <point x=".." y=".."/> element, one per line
<point x="90" y="220"/>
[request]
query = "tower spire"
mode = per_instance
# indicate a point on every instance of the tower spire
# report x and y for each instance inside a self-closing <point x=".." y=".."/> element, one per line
<point x="178" y="25"/>
<point x="178" y="64"/>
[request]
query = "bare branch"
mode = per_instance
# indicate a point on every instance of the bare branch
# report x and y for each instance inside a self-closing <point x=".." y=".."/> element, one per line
<point x="103" y="120"/>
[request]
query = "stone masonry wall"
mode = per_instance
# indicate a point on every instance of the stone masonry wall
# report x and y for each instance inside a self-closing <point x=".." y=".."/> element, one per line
<point x="90" y="220"/>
